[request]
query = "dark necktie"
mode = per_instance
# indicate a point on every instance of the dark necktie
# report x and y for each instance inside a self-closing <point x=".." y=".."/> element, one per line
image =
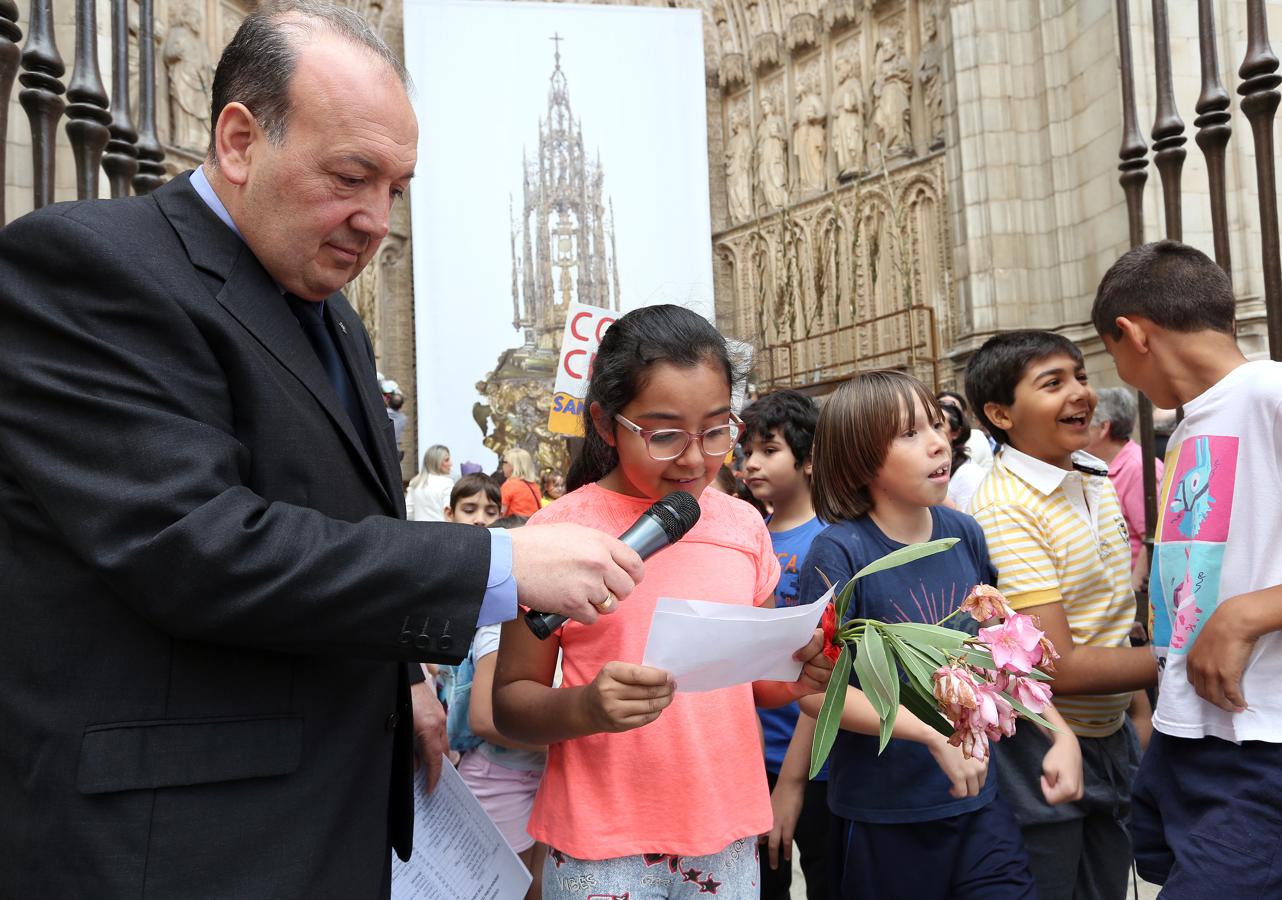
<point x="312" y="317"/>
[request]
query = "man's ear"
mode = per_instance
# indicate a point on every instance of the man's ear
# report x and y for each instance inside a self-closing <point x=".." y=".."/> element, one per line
<point x="599" y="423"/>
<point x="808" y="466"/>
<point x="999" y="415"/>
<point x="236" y="136"/>
<point x="1135" y="332"/>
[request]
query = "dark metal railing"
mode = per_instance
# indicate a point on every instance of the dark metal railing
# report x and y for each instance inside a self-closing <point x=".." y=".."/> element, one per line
<point x="1258" y="89"/>
<point x="100" y="129"/>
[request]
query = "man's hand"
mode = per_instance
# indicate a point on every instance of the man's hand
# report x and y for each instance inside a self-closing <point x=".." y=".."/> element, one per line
<point x="1221" y="651"/>
<point x="430" y="740"/>
<point x="817" y="669"/>
<point x="569" y="570"/>
<point x="624" y="696"/>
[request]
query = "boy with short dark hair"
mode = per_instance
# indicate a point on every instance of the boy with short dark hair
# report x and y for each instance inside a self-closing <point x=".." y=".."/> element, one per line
<point x="778" y="431"/>
<point x="474" y="500"/>
<point x="1208" y="799"/>
<point x="1058" y="540"/>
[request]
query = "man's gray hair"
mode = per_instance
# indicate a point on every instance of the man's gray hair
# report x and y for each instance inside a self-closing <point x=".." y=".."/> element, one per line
<point x="1117" y="408"/>
<point x="257" y="66"/>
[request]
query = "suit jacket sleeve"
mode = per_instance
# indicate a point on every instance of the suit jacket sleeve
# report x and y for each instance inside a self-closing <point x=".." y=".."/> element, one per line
<point x="119" y="433"/>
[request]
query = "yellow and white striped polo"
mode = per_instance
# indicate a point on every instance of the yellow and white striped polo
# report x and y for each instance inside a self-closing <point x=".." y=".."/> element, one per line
<point x="1057" y="536"/>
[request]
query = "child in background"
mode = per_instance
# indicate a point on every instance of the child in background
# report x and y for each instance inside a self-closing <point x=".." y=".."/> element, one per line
<point x="473" y="501"/>
<point x="965" y="475"/>
<point x="1208" y="799"/>
<point x="553" y="486"/>
<point x="1059" y="542"/>
<point x="648" y="794"/>
<point x="919" y="821"/>
<point x="777" y="433"/>
<point x="502" y="773"/>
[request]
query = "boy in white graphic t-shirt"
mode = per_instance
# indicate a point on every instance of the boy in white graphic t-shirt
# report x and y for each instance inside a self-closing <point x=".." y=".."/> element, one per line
<point x="1208" y="798"/>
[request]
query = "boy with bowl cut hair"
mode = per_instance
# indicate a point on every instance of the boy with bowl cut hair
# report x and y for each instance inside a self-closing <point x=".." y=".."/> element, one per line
<point x="1208" y="799"/>
<point x="1056" y="535"/>
<point x="778" y="432"/>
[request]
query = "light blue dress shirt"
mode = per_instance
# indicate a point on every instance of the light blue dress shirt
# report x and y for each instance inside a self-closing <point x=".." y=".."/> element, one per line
<point x="499" y="602"/>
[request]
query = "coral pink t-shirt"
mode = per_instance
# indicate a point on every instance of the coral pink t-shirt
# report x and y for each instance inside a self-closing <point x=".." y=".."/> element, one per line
<point x="692" y="781"/>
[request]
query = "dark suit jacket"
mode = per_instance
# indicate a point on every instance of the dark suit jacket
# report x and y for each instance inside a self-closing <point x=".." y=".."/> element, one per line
<point x="207" y="590"/>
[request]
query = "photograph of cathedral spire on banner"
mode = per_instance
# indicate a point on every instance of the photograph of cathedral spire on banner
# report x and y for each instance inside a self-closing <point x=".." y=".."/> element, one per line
<point x="562" y="159"/>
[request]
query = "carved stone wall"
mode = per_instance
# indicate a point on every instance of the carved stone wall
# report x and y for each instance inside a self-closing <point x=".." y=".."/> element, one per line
<point x="832" y="250"/>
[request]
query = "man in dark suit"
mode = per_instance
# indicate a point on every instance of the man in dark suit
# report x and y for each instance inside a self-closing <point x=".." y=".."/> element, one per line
<point x="209" y="595"/>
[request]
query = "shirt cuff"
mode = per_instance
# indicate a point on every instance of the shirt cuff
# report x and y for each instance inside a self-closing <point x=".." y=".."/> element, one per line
<point x="499" y="603"/>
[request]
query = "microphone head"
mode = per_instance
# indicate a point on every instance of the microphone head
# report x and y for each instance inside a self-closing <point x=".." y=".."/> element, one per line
<point x="676" y="514"/>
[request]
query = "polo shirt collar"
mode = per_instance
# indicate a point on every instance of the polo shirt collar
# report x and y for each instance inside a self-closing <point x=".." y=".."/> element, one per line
<point x="1041" y="475"/>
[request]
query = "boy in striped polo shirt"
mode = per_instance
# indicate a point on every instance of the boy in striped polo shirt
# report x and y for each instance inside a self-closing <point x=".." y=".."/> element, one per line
<point x="1057" y="537"/>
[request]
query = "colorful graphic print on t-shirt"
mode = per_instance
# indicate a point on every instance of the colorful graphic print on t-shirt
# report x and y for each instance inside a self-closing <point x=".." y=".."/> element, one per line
<point x="1192" y="528"/>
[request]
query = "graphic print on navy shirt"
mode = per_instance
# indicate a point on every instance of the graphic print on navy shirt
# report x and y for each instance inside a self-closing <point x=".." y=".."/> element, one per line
<point x="904" y="784"/>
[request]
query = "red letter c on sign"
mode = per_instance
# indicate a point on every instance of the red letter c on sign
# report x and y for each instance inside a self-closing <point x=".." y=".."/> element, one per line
<point x="574" y="325"/>
<point x="569" y="356"/>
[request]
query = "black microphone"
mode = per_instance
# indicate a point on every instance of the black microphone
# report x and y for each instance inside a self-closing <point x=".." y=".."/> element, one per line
<point x="664" y="523"/>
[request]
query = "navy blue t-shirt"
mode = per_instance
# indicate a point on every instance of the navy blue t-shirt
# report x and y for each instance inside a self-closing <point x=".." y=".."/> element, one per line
<point x="777" y="724"/>
<point x="903" y="784"/>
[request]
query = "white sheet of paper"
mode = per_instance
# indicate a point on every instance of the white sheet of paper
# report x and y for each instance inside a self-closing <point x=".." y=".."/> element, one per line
<point x="459" y="854"/>
<point x="707" y="646"/>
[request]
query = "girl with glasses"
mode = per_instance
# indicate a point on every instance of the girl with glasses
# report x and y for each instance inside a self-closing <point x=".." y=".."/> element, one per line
<point x="649" y="793"/>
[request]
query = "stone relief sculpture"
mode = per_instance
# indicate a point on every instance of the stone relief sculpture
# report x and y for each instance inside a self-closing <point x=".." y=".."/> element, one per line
<point x="808" y="138"/>
<point x="848" y="115"/>
<point x="186" y="57"/>
<point x="772" y="153"/>
<point x="892" y="93"/>
<point x="739" y="165"/>
<point x="928" y="76"/>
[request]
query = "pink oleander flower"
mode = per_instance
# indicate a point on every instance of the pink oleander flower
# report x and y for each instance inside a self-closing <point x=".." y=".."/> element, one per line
<point x="1036" y="695"/>
<point x="1015" y="644"/>
<point x="1049" y="654"/>
<point x="974" y="744"/>
<point x="956" y="691"/>
<point x="1003" y="715"/>
<point x="985" y="602"/>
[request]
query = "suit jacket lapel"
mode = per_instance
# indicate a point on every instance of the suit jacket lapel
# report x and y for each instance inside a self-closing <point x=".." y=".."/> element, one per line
<point x="350" y="329"/>
<point x="252" y="297"/>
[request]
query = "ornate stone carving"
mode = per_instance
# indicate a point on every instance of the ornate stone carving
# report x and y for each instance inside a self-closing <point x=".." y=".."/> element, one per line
<point x="733" y="71"/>
<point x="892" y="95"/>
<point x="809" y="141"/>
<point x="803" y="31"/>
<point x="928" y="77"/>
<point x="739" y="165"/>
<point x="849" y="112"/>
<point x="772" y="153"/>
<point x="765" y="52"/>
<point x="840" y="13"/>
<point x="191" y="76"/>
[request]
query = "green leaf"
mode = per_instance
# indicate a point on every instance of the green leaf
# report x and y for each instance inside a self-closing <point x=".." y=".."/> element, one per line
<point x="981" y="659"/>
<point x="843" y="600"/>
<point x="868" y="678"/>
<point x="887" y="729"/>
<point x="829" y="719"/>
<point x="934" y="635"/>
<point x="905" y="555"/>
<point x="917" y="667"/>
<point x="923" y="707"/>
<point x="883" y="669"/>
<point x="1029" y="714"/>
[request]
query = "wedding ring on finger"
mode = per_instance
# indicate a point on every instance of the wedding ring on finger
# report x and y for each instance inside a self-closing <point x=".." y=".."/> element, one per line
<point x="605" y="604"/>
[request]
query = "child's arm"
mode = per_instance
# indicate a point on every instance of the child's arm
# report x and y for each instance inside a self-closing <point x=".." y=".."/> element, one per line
<point x="1092" y="670"/>
<point x="967" y="775"/>
<point x="790" y="790"/>
<point x="1222" y="648"/>
<point x="480" y="711"/>
<point x="1141" y="715"/>
<point x="528" y="709"/>
<point x="815" y="672"/>
<point x="1062" y="764"/>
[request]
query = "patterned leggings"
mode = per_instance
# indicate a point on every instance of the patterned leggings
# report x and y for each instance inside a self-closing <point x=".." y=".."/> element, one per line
<point x="731" y="873"/>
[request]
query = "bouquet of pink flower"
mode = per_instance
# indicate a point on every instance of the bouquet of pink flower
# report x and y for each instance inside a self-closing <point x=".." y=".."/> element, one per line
<point x="970" y="688"/>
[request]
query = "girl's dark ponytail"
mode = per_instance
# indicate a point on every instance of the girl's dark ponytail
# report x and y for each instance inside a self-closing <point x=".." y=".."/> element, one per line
<point x="651" y="334"/>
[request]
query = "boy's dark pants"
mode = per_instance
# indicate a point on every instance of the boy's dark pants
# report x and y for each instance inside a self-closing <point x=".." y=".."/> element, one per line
<point x="811" y="838"/>
<point x="1208" y="818"/>
<point x="974" y="856"/>
<point x="1081" y="850"/>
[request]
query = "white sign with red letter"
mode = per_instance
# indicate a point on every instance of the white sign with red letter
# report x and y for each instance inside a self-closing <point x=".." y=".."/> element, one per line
<point x="584" y="326"/>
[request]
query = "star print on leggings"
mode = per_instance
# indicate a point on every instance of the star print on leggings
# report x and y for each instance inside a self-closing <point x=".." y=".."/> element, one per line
<point x="653" y="859"/>
<point x="709" y="886"/>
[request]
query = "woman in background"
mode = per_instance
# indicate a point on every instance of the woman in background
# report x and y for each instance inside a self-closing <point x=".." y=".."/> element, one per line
<point x="429" y="490"/>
